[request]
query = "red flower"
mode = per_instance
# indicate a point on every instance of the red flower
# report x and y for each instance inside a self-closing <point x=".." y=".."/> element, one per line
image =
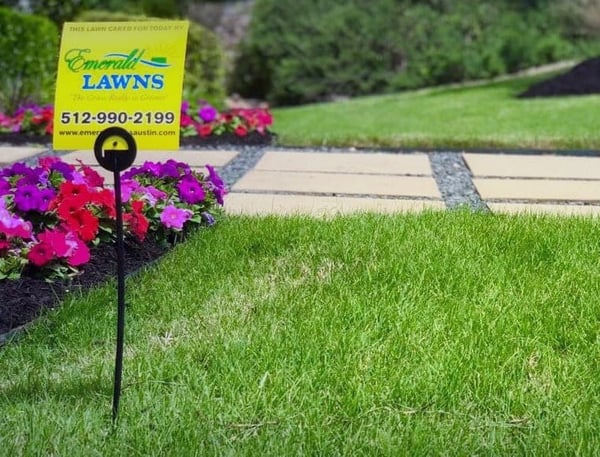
<point x="69" y="189"/>
<point x="204" y="130"/>
<point x="4" y="244"/>
<point x="106" y="199"/>
<point x="41" y="254"/>
<point x="91" y="176"/>
<point x="69" y="205"/>
<point x="50" y="128"/>
<point x="136" y="221"/>
<point x="83" y="223"/>
<point x="241" y="130"/>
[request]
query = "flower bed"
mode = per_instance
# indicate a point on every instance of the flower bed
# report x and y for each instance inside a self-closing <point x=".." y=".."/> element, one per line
<point x="200" y="124"/>
<point x="56" y="220"/>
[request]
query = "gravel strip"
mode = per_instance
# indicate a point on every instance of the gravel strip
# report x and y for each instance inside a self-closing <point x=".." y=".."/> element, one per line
<point x="454" y="180"/>
<point x="241" y="164"/>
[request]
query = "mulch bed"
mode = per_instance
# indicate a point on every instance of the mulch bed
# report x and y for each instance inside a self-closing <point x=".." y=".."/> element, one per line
<point x="25" y="299"/>
<point x="583" y="79"/>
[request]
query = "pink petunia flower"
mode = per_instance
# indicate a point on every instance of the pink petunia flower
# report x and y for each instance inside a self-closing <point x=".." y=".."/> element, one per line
<point x="173" y="217"/>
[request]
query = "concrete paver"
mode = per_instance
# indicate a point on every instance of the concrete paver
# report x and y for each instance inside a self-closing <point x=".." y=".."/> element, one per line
<point x="544" y="208"/>
<point x="533" y="166"/>
<point x="537" y="189"/>
<point x="345" y="162"/>
<point x="325" y="183"/>
<point x="197" y="157"/>
<point x="331" y="183"/>
<point x="10" y="154"/>
<point x="263" y="204"/>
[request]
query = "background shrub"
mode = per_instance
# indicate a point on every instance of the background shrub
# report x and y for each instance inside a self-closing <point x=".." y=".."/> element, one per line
<point x="204" y="69"/>
<point x="29" y="50"/>
<point x="299" y="52"/>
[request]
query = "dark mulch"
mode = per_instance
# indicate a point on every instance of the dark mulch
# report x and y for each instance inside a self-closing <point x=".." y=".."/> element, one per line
<point x="23" y="300"/>
<point x="583" y="79"/>
<point x="227" y="139"/>
<point x="19" y="139"/>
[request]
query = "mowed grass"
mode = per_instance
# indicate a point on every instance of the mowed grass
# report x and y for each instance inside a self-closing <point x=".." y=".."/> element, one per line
<point x="484" y="116"/>
<point x="443" y="333"/>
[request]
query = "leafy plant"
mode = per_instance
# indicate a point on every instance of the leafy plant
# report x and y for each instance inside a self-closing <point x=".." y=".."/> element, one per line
<point x="52" y="213"/>
<point x="28" y="47"/>
<point x="302" y="52"/>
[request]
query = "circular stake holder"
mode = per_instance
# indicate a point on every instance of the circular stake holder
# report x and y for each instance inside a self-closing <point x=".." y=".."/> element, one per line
<point x="115" y="149"/>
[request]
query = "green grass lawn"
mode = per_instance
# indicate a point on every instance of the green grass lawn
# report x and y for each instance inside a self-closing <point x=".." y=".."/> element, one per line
<point x="470" y="117"/>
<point x="444" y="333"/>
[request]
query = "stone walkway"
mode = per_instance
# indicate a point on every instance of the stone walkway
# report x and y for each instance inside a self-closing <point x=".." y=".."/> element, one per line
<point x="284" y="181"/>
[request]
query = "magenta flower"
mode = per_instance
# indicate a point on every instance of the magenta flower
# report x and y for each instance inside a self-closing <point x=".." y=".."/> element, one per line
<point x="208" y="113"/>
<point x="128" y="187"/>
<point x="57" y="241"/>
<point x="152" y="168"/>
<point x="173" y="217"/>
<point x="13" y="225"/>
<point x="190" y="190"/>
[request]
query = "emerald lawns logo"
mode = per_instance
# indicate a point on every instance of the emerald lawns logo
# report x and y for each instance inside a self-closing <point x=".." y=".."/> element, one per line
<point x="78" y="60"/>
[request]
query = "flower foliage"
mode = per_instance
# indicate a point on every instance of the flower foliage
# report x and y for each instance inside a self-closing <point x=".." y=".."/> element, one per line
<point x="202" y="120"/>
<point x="53" y="213"/>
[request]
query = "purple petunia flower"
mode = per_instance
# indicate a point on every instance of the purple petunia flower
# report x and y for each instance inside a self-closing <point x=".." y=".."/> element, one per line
<point x="218" y="186"/>
<point x="190" y="190"/>
<point x="151" y="168"/>
<point x="152" y="194"/>
<point x="34" y="108"/>
<point x="15" y="169"/>
<point x="4" y="187"/>
<point x="31" y="176"/>
<point x="45" y="197"/>
<point x="208" y="218"/>
<point x="173" y="217"/>
<point x="208" y="113"/>
<point x="173" y="169"/>
<point x="169" y="170"/>
<point x="64" y="169"/>
<point x="132" y="172"/>
<point x="185" y="106"/>
<point x="28" y="198"/>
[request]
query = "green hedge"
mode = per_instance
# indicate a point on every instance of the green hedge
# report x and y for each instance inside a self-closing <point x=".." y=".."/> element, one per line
<point x="28" y="50"/>
<point x="204" y="65"/>
<point x="299" y="52"/>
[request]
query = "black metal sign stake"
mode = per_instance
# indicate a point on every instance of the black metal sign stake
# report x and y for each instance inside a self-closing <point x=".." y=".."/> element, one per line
<point x="119" y="156"/>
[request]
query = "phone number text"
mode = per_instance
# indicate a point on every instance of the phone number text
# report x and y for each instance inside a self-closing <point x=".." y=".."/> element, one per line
<point x="116" y="117"/>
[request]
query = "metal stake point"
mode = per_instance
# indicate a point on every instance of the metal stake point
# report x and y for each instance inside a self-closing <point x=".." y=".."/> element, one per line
<point x="120" y="295"/>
